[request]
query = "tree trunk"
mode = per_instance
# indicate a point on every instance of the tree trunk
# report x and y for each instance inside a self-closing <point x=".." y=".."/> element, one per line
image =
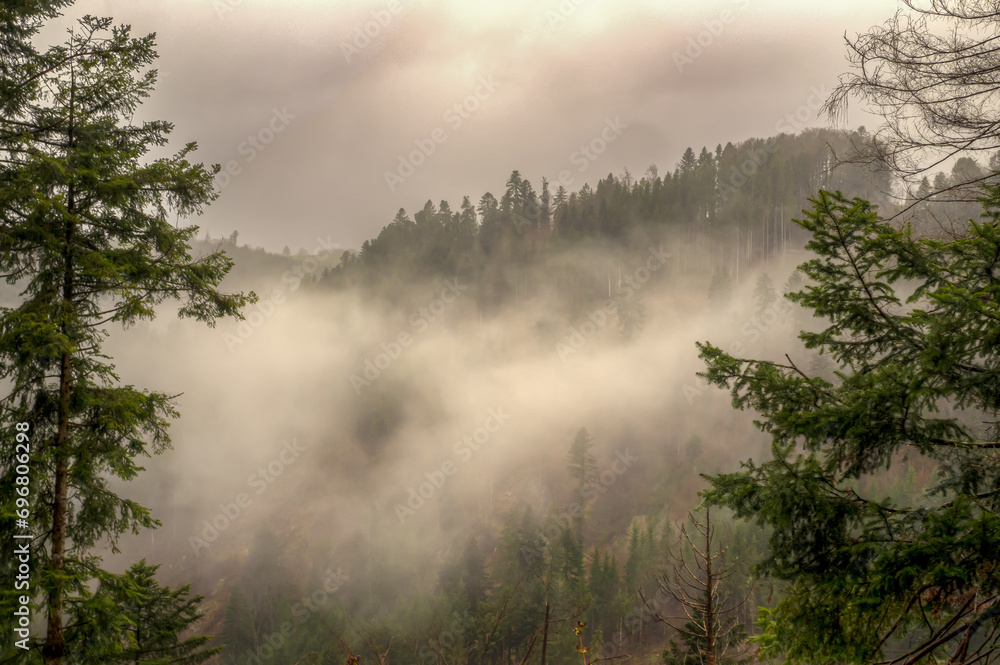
<point x="55" y="642"/>
<point x="709" y="600"/>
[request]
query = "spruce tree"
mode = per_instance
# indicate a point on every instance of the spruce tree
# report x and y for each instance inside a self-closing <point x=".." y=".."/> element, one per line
<point x="156" y="618"/>
<point x="631" y="312"/>
<point x="764" y="293"/>
<point x="580" y="460"/>
<point x="89" y="237"/>
<point x="237" y="636"/>
<point x="872" y="578"/>
<point x="721" y="287"/>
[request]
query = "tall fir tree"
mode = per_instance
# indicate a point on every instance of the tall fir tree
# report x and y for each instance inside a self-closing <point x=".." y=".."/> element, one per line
<point x="869" y="577"/>
<point x="237" y="636"/>
<point x="764" y="293"/>
<point x="156" y="619"/>
<point x="87" y="238"/>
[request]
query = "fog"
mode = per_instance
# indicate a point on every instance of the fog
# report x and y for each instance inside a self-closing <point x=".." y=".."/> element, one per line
<point x="403" y="409"/>
<point x="427" y="423"/>
<point x="227" y="65"/>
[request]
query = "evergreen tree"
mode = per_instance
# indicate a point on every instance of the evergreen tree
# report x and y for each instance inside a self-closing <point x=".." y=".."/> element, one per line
<point x="603" y="586"/>
<point x="545" y="205"/>
<point x="570" y="563"/>
<point x="721" y="287"/>
<point x="631" y="312"/>
<point x="865" y="573"/>
<point x="580" y="460"/>
<point x="237" y="634"/>
<point x="764" y="293"/>
<point x="688" y="161"/>
<point x="514" y="189"/>
<point x="157" y="617"/>
<point x="21" y="64"/>
<point x="561" y="197"/>
<point x="87" y="238"/>
<point x="583" y="468"/>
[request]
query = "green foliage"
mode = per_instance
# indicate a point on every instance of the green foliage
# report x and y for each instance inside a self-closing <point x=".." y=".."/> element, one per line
<point x="580" y="460"/>
<point x="692" y="647"/>
<point x="604" y="583"/>
<point x="913" y="327"/>
<point x="90" y="237"/>
<point x="237" y="634"/>
<point x="156" y="617"/>
<point x="504" y="247"/>
<point x="764" y="293"/>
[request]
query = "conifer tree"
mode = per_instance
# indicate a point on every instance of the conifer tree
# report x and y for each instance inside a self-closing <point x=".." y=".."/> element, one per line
<point x="764" y="293"/>
<point x="721" y="287"/>
<point x="237" y="636"/>
<point x="869" y="578"/>
<point x="156" y="618"/>
<point x="88" y="238"/>
<point x="580" y="460"/>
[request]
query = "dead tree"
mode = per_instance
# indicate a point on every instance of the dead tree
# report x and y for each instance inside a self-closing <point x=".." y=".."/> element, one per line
<point x="697" y="570"/>
<point x="932" y="74"/>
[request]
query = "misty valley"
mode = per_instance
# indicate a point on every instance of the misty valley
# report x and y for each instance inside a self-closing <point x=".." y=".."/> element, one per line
<point x="733" y="405"/>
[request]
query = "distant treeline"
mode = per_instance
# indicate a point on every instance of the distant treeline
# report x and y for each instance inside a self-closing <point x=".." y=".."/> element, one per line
<point x="728" y="207"/>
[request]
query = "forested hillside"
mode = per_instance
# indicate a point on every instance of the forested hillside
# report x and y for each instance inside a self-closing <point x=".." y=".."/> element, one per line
<point x="742" y="408"/>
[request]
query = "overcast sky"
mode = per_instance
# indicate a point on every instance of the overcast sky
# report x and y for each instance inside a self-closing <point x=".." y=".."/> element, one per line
<point x="534" y="80"/>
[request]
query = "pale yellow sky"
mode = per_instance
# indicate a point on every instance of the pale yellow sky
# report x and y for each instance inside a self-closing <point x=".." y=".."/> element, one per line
<point x="558" y="71"/>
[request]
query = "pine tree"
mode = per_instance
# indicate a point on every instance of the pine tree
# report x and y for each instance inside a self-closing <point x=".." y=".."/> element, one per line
<point x="157" y="617"/>
<point x="721" y="288"/>
<point x="764" y="293"/>
<point x="580" y="459"/>
<point x="545" y="205"/>
<point x="603" y="586"/>
<point x="514" y="189"/>
<point x="688" y="161"/>
<point x="87" y="238"/>
<point x="631" y="313"/>
<point x="237" y="634"/>
<point x="582" y="467"/>
<point x="474" y="575"/>
<point x="918" y="374"/>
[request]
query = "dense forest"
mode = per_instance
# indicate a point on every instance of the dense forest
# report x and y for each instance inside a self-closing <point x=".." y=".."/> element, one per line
<point x="742" y="409"/>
